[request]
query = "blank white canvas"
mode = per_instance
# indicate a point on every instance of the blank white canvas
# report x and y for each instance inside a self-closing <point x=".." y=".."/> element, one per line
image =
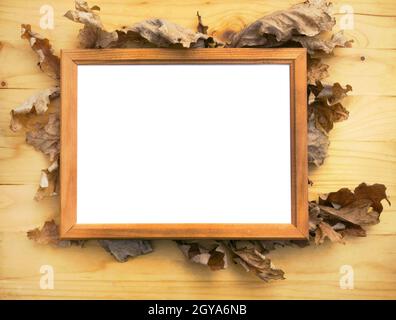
<point x="183" y="144"/>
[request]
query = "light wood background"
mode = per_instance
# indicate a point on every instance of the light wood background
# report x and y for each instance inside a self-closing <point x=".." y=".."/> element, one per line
<point x="362" y="149"/>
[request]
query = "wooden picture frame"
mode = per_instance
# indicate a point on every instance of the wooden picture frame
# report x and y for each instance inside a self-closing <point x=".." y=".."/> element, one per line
<point x="295" y="58"/>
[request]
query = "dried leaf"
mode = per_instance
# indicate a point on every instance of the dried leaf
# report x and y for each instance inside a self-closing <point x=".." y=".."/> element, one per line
<point x="249" y="257"/>
<point x="324" y="231"/>
<point x="358" y="213"/>
<point x="376" y="193"/>
<point x="93" y="35"/>
<point x="318" y="143"/>
<point x="34" y="105"/>
<point x="326" y="107"/>
<point x="210" y="253"/>
<point x="147" y="33"/>
<point x="201" y="28"/>
<point x="348" y="212"/>
<point x="164" y="34"/>
<point x="305" y="19"/>
<point x="317" y="44"/>
<point x="48" y="62"/>
<point x="48" y="186"/>
<point x="122" y="250"/>
<point x="46" y="137"/>
<point x="49" y="234"/>
<point x="317" y="70"/>
<point x="329" y="93"/>
<point x="344" y="197"/>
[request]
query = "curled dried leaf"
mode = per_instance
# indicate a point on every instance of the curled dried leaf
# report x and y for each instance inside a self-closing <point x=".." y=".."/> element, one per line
<point x="122" y="250"/>
<point x="46" y="138"/>
<point x="49" y="234"/>
<point x="345" y="197"/>
<point x="317" y="44"/>
<point x="209" y="253"/>
<point x="48" y="186"/>
<point x="376" y="193"/>
<point x="318" y="143"/>
<point x="34" y="105"/>
<point x="49" y="63"/>
<point x="305" y="19"/>
<point x="347" y="212"/>
<point x="164" y="34"/>
<point x="324" y="231"/>
<point x="248" y="255"/>
<point x="93" y="35"/>
<point x="326" y="107"/>
<point x="317" y="70"/>
<point x="357" y="213"/>
<point x="201" y="28"/>
<point x="147" y="33"/>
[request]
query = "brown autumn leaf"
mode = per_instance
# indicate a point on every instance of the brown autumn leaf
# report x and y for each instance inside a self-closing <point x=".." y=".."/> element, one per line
<point x="326" y="106"/>
<point x="344" y="197"/>
<point x="317" y="44"/>
<point x="376" y="193"/>
<point x="147" y="33"/>
<point x="318" y="143"/>
<point x="48" y="186"/>
<point x="34" y="105"/>
<point x="201" y="28"/>
<point x="93" y="35"/>
<point x="207" y="252"/>
<point x="357" y="213"/>
<point x="248" y="255"/>
<point x="347" y="212"/>
<point x="124" y="249"/>
<point x="324" y="231"/>
<point x="316" y="70"/>
<point x="332" y="94"/>
<point x="49" y="234"/>
<point x="49" y="63"/>
<point x="46" y="137"/>
<point x="309" y="19"/>
<point x="164" y="34"/>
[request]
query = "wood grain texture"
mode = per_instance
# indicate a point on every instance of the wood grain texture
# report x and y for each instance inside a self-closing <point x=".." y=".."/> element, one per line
<point x="363" y="148"/>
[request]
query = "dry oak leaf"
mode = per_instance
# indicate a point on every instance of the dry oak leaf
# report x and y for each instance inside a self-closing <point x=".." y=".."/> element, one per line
<point x="206" y="252"/>
<point x="147" y="33"/>
<point x="164" y="34"/>
<point x="354" y="207"/>
<point x="49" y="234"/>
<point x="376" y="193"/>
<point x="122" y="250"/>
<point x="48" y="62"/>
<point x="46" y="137"/>
<point x="252" y="260"/>
<point x="347" y="212"/>
<point x="326" y="107"/>
<point x="305" y="19"/>
<point x="317" y="44"/>
<point x="318" y="143"/>
<point x="201" y="28"/>
<point x="324" y="231"/>
<point x="357" y="213"/>
<point x="343" y="197"/>
<point x="48" y="186"/>
<point x="93" y="34"/>
<point x="329" y="93"/>
<point x="34" y="105"/>
<point x="316" y="70"/>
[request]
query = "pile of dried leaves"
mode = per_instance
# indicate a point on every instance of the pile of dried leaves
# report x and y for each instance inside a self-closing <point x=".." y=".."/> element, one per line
<point x="333" y="216"/>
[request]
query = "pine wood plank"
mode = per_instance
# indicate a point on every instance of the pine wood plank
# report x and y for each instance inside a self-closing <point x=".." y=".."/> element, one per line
<point x="363" y="148"/>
